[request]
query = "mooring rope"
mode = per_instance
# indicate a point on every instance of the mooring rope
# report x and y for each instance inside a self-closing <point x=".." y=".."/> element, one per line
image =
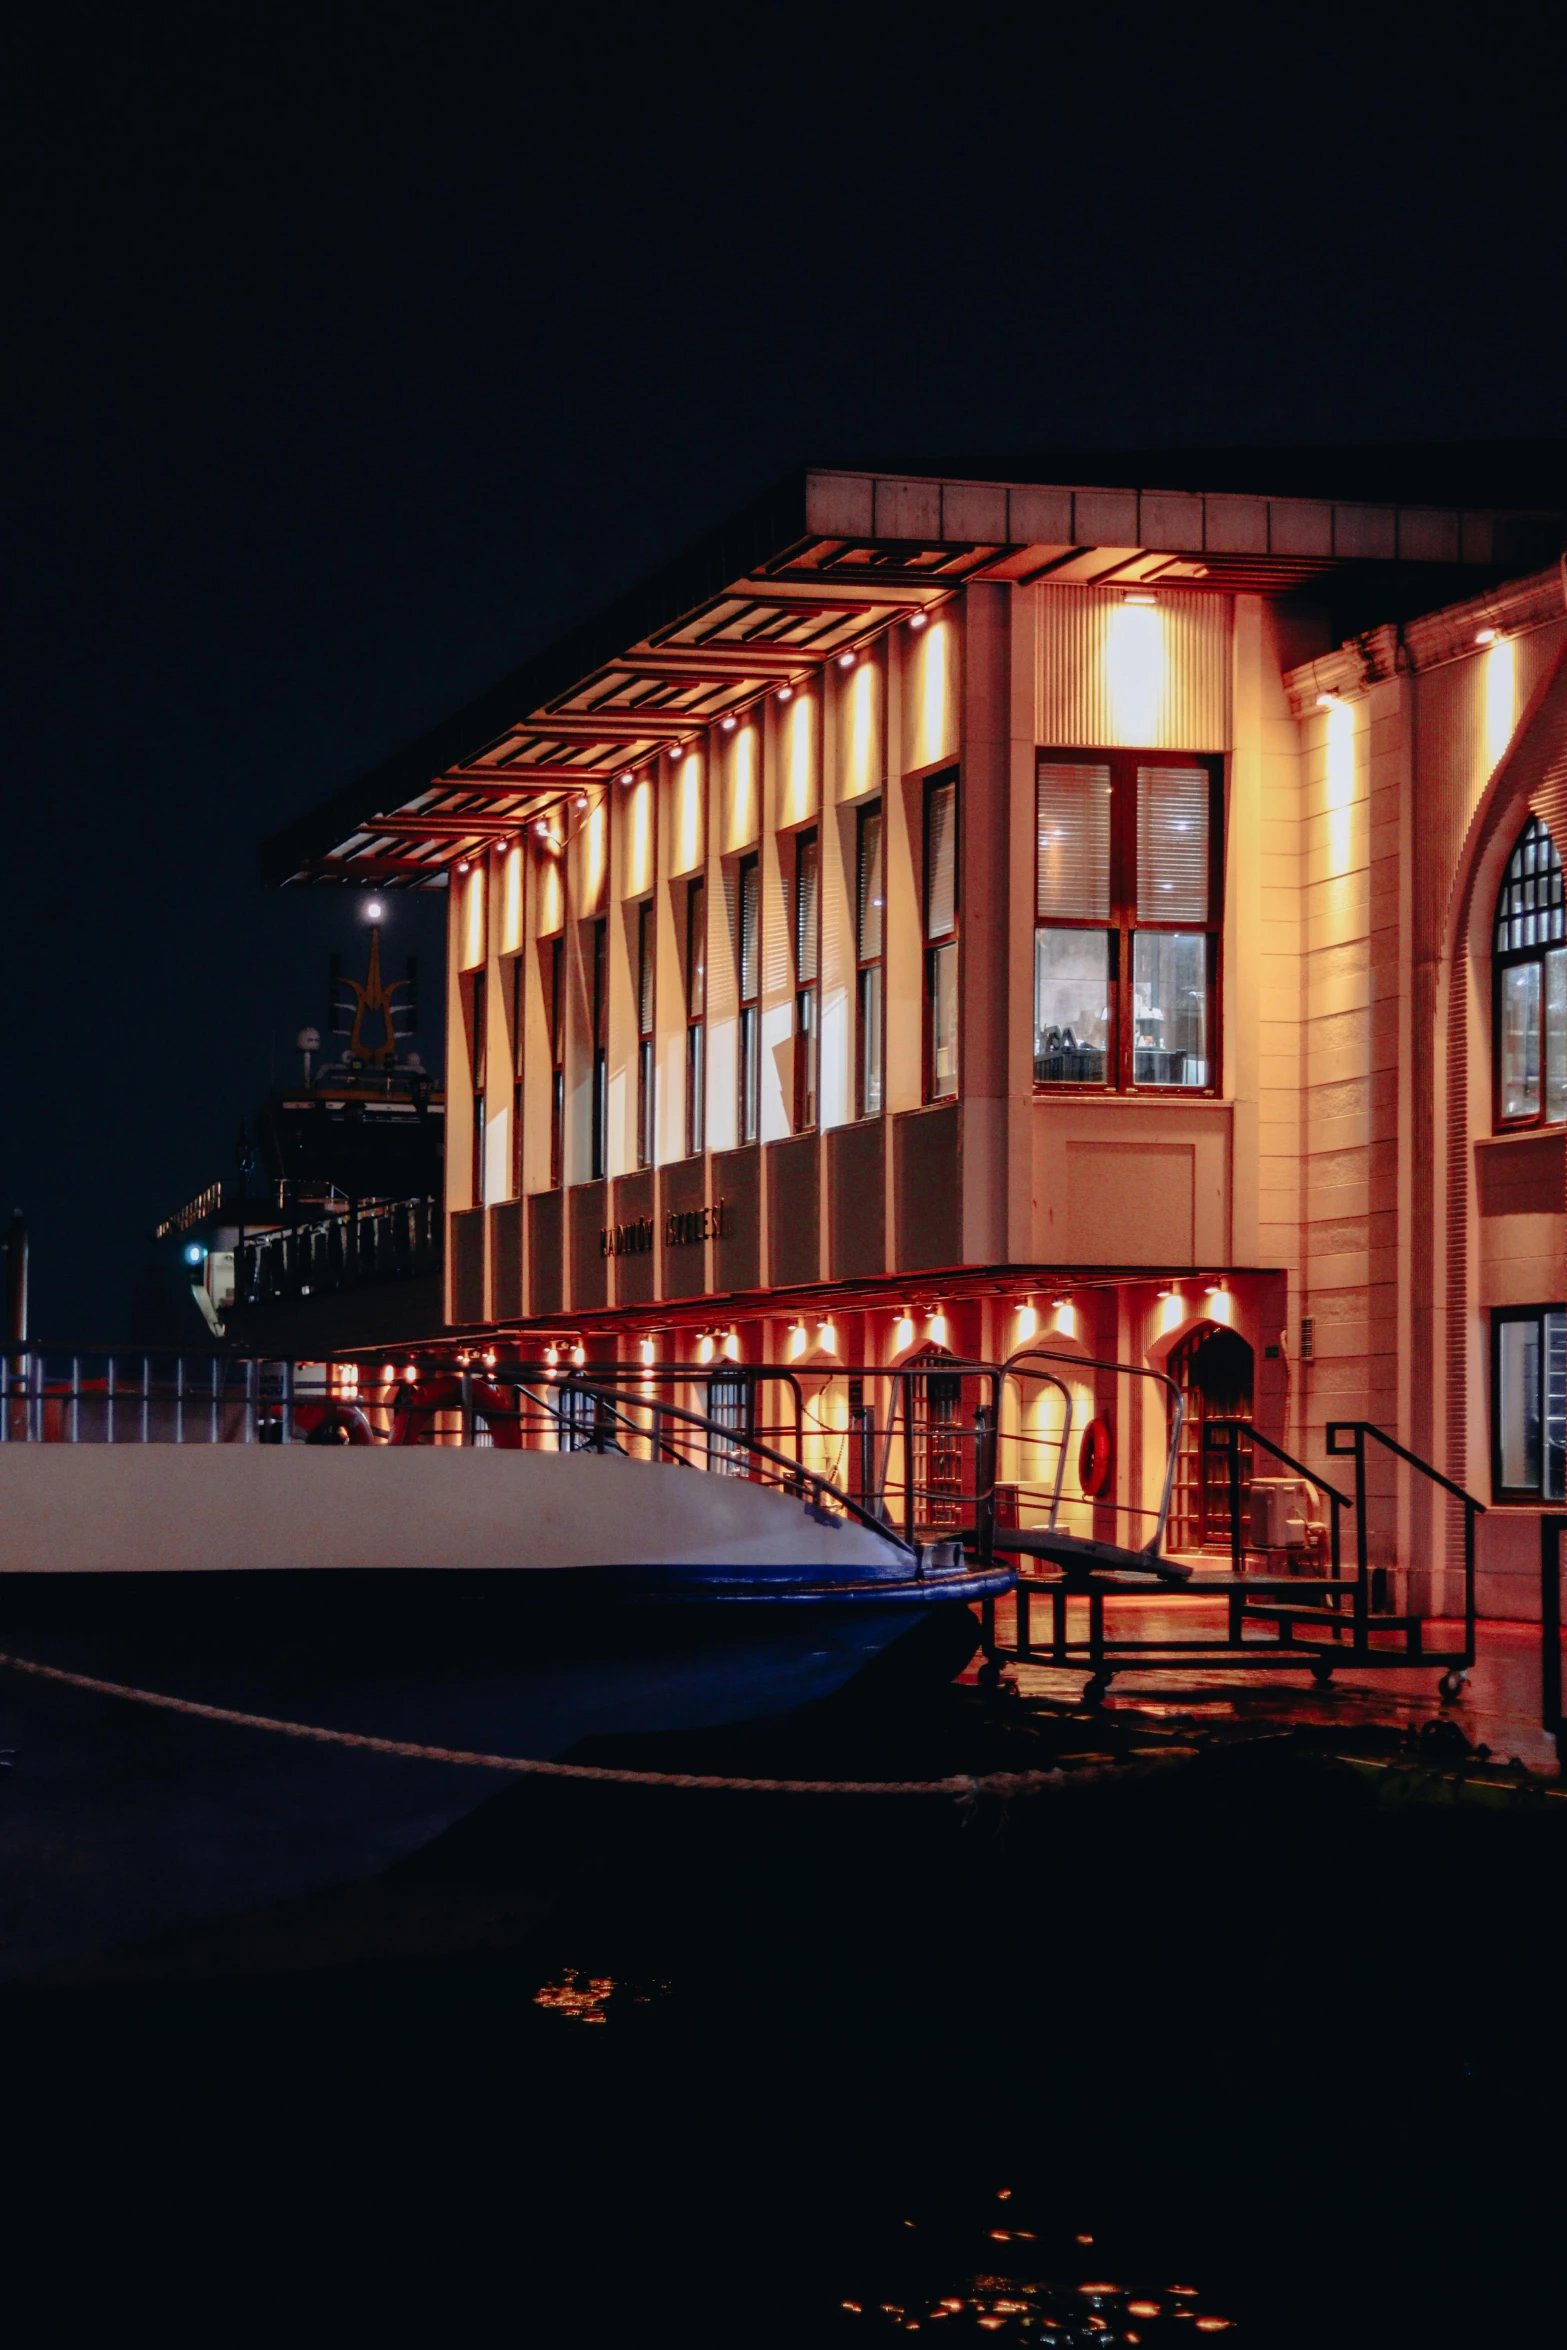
<point x="964" y="1786"/>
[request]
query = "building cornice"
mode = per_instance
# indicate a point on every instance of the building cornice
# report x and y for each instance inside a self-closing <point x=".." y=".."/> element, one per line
<point x="1455" y="633"/>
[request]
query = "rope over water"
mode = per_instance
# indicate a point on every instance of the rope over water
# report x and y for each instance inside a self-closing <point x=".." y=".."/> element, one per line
<point x="962" y="1786"/>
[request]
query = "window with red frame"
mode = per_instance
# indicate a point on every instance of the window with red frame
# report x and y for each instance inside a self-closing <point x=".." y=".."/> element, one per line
<point x="1128" y="888"/>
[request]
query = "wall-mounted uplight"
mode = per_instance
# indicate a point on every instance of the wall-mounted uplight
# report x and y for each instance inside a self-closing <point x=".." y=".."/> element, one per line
<point x="1139" y="596"/>
<point x="1485" y="636"/>
<point x="916" y="620"/>
<point x="462" y="864"/>
<point x="729" y="726"/>
<point x="704" y="1351"/>
<point x="827" y="1337"/>
<point x="936" y="1326"/>
<point x="542" y="829"/>
<point x="628" y="777"/>
<point x="645" y="1350"/>
<point x="731" y="1346"/>
<point x="1328" y="702"/>
<point x="552" y="1355"/>
<point x="579" y="1355"/>
<point x="904" y="1334"/>
<point x="796" y="1341"/>
<point x="581" y="800"/>
<point x="1066" y="1317"/>
<point x="786" y="693"/>
<point x="1027" y="1322"/>
<point x="847" y="660"/>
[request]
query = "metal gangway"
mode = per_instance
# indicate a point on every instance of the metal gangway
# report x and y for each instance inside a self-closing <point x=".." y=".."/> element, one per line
<point x="1326" y="1623"/>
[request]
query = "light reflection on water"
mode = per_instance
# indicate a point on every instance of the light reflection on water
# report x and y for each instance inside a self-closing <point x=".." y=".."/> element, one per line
<point x="1046" y="2289"/>
<point x="584" y="1999"/>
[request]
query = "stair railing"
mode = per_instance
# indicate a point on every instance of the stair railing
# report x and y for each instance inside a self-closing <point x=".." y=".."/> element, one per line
<point x="1358" y="1431"/>
<point x="1225" y="1436"/>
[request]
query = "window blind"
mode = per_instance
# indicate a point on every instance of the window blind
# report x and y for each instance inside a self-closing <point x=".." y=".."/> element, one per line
<point x="941" y="862"/>
<point x="1172" y="844"/>
<point x="696" y="951"/>
<point x="807" y="928"/>
<point x="870" y="891"/>
<point x="1072" y="811"/>
<point x="645" y="970"/>
<point x="750" y="932"/>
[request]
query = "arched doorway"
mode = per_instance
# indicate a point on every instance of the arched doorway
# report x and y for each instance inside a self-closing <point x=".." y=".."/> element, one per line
<point x="1213" y="1368"/>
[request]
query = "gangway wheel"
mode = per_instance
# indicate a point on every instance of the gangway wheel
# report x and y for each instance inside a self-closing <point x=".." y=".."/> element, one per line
<point x="1452" y="1684"/>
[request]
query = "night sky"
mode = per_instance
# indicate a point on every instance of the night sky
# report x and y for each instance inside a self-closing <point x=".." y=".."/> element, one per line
<point x="352" y="353"/>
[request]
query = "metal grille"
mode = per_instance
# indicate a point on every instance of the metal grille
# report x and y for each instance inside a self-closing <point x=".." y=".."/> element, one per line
<point x="1529" y="909"/>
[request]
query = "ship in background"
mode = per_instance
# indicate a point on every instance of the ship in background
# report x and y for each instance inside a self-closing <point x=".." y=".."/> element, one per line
<point x="329" y="1235"/>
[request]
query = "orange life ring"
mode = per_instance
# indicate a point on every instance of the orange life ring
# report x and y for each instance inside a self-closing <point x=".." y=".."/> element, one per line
<point x="1094" y="1457"/>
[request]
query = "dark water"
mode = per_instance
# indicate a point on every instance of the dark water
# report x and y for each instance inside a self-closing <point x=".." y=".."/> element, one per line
<point x="1233" y="2047"/>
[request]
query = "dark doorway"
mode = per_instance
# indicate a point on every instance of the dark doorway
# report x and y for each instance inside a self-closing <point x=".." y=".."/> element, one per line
<point x="1213" y="1368"/>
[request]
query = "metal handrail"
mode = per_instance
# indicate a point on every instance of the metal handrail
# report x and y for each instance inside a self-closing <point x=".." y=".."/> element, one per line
<point x="796" y="1472"/>
<point x="1225" y="1436"/>
<point x="1046" y="1354"/>
<point x="1359" y="1430"/>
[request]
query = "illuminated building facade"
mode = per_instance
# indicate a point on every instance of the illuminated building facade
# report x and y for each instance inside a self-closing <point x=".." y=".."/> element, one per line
<point x="944" y="912"/>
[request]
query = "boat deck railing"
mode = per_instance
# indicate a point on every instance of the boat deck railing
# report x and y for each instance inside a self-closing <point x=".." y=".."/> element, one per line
<point x="1013" y="1460"/>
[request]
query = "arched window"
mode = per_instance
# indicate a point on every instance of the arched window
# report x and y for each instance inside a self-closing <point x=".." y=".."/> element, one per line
<point x="1531" y="985"/>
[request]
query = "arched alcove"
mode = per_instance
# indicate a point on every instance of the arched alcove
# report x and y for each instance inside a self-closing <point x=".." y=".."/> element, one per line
<point x="1215" y="1370"/>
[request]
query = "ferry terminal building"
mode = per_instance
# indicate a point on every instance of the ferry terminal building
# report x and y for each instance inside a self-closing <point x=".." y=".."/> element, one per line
<point x="939" y="912"/>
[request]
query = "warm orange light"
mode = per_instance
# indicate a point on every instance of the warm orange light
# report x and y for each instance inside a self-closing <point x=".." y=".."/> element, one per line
<point x="1501" y="697"/>
<point x="917" y="620"/>
<point x="729" y="726"/>
<point x="1135" y="666"/>
<point x="785" y="693"/>
<point x="847" y="660"/>
<point x="1027" y="1322"/>
<point x="904" y="1334"/>
<point x="796" y="1341"/>
<point x="1139" y="596"/>
<point x="936" y="1327"/>
<point x="688" y="816"/>
<point x="1485" y="636"/>
<point x="579" y="1355"/>
<point x="704" y="1352"/>
<point x="732" y="1346"/>
<point x="639" y="855"/>
<point x="646" y="1350"/>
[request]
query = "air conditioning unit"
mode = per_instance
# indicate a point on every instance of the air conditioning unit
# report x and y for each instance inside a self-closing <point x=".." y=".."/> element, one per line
<point x="1281" y="1514"/>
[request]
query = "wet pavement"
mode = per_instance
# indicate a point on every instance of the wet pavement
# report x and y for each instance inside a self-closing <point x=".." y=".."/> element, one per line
<point x="1499" y="1708"/>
